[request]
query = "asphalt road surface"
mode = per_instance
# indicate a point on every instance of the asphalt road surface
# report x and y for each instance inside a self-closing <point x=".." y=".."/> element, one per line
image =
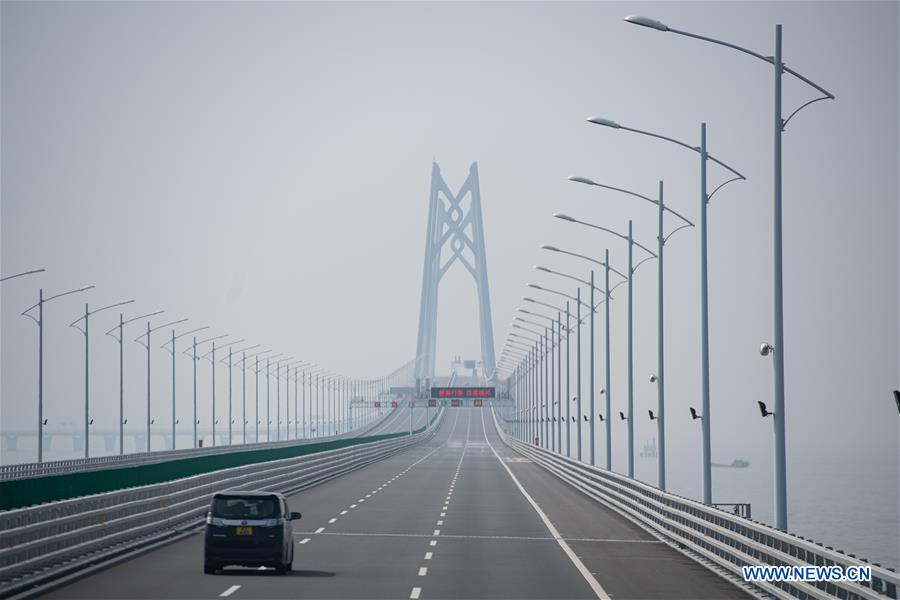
<point x="462" y="516"/>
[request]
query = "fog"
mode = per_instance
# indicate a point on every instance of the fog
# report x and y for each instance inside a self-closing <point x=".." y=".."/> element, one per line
<point x="264" y="168"/>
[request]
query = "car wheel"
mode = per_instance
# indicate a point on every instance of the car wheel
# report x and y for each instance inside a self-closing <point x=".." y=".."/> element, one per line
<point x="210" y="568"/>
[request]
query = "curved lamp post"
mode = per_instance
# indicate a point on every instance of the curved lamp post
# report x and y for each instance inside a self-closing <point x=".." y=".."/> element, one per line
<point x="119" y="339"/>
<point x="172" y="352"/>
<point x="147" y="346"/>
<point x="704" y="287"/>
<point x="39" y="320"/>
<point x="779" y="68"/>
<point x="87" y="376"/>
<point x="661" y="238"/>
<point x="631" y="269"/>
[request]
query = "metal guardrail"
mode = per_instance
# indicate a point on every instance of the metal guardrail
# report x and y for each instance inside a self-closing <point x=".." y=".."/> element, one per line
<point x="726" y="540"/>
<point x="38" y="544"/>
<point x="21" y="470"/>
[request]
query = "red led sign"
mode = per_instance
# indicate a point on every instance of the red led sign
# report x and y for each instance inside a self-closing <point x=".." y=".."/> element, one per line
<point x="463" y="392"/>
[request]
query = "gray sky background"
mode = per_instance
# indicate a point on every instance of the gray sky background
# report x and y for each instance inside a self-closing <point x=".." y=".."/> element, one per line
<point x="264" y="169"/>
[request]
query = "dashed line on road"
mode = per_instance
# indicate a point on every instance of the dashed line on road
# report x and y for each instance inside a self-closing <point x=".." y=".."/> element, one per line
<point x="343" y="512"/>
<point x="229" y="591"/>
<point x="414" y="594"/>
<point x="303" y="541"/>
<point x="332" y="520"/>
<point x="423" y="571"/>
<point x="319" y="530"/>
<point x="428" y="555"/>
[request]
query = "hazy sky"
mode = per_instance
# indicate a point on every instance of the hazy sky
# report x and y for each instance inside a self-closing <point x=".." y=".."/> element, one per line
<point x="264" y="168"/>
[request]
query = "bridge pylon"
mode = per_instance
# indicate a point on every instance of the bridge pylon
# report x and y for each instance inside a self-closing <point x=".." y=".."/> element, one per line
<point x="459" y="229"/>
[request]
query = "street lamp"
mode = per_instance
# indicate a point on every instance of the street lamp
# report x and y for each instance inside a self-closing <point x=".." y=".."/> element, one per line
<point x="278" y="396"/>
<point x="777" y="274"/>
<point x="661" y="238"/>
<point x="147" y="346"/>
<point x="244" y="358"/>
<point x="194" y="359"/>
<point x="172" y="352"/>
<point x="40" y="323"/>
<point x="212" y="361"/>
<point x="229" y="360"/>
<point x="120" y="339"/>
<point x="704" y="287"/>
<point x="296" y="364"/>
<point x="87" y="393"/>
<point x="631" y="269"/>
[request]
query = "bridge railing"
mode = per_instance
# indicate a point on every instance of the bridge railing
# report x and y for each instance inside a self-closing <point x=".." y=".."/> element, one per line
<point x="20" y="470"/>
<point x="725" y="540"/>
<point x="48" y="541"/>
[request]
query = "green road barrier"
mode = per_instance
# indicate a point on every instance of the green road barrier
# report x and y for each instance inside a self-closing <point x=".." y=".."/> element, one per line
<point x="18" y="493"/>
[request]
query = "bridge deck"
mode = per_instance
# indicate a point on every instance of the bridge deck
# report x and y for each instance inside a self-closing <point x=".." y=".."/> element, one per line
<point x="397" y="539"/>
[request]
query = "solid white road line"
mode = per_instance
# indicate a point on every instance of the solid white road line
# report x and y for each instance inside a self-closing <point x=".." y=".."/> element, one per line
<point x="229" y="591"/>
<point x="303" y="541"/>
<point x="423" y="571"/>
<point x="588" y="576"/>
<point x="414" y="594"/>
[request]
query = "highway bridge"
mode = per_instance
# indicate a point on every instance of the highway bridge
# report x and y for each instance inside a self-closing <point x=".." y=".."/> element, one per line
<point x="459" y="516"/>
<point x="415" y="485"/>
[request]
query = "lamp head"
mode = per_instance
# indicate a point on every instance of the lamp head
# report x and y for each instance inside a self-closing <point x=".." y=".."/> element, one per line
<point x="584" y="180"/>
<point x="544" y="269"/>
<point x="653" y="378"/>
<point x="535" y="286"/>
<point x="765" y="348"/>
<point x="564" y="218"/>
<point x="549" y="247"/>
<point x="604" y="122"/>
<point x="646" y="22"/>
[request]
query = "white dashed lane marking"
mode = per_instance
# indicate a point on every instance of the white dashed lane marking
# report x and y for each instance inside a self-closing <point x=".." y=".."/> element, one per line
<point x="303" y="541"/>
<point x="229" y="591"/>
<point x="423" y="571"/>
<point x="332" y="520"/>
<point x="319" y="530"/>
<point x="428" y="555"/>
<point x="343" y="512"/>
<point x="414" y="594"/>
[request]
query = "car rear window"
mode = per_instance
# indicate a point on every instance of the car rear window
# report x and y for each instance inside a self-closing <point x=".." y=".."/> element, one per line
<point x="246" y="507"/>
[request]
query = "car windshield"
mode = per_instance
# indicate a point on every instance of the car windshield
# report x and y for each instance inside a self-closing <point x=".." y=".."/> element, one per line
<point x="246" y="507"/>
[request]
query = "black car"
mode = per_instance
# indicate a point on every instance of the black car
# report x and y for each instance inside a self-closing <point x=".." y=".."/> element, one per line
<point x="250" y="529"/>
